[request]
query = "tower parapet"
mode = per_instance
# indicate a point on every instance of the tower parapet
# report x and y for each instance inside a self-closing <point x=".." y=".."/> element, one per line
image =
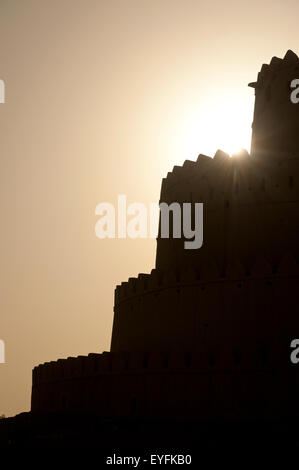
<point x="276" y="119"/>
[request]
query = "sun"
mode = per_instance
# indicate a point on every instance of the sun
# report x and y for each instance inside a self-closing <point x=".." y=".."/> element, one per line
<point x="223" y="123"/>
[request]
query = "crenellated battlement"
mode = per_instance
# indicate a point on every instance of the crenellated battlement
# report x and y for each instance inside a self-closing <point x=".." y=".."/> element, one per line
<point x="201" y="359"/>
<point x="230" y="176"/>
<point x="275" y="121"/>
<point x="269" y="71"/>
<point x="207" y="273"/>
<point x="125" y="384"/>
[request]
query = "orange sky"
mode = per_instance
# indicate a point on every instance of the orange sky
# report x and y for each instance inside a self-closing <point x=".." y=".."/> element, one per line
<point x="103" y="98"/>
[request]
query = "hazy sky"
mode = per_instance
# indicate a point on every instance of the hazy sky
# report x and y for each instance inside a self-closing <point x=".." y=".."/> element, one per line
<point x="104" y="98"/>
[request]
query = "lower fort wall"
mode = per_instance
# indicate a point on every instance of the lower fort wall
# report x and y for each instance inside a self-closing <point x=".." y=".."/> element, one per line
<point x="201" y="384"/>
<point x="225" y="349"/>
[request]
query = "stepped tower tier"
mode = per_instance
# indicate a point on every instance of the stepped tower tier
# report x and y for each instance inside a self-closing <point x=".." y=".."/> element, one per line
<point x="250" y="209"/>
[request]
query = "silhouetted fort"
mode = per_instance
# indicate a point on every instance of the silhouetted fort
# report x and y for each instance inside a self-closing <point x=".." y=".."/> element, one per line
<point x="207" y="333"/>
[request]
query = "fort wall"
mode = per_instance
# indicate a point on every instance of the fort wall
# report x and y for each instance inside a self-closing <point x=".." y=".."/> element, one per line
<point x="199" y="384"/>
<point x="168" y="309"/>
<point x="250" y="208"/>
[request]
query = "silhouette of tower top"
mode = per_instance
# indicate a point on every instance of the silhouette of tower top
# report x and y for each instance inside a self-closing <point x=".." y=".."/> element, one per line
<point x="276" y="118"/>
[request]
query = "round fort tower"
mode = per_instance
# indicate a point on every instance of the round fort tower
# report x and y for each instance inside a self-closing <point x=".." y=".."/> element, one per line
<point x="250" y="239"/>
<point x="207" y="333"/>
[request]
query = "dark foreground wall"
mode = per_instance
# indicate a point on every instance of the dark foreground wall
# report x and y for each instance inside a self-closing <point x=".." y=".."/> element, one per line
<point x="72" y="434"/>
<point x="221" y="384"/>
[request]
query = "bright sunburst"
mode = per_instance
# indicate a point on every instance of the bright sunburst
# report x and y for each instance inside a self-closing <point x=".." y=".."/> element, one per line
<point x="216" y="124"/>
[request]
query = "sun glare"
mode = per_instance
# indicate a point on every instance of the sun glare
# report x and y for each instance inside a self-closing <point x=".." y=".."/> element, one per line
<point x="216" y="124"/>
